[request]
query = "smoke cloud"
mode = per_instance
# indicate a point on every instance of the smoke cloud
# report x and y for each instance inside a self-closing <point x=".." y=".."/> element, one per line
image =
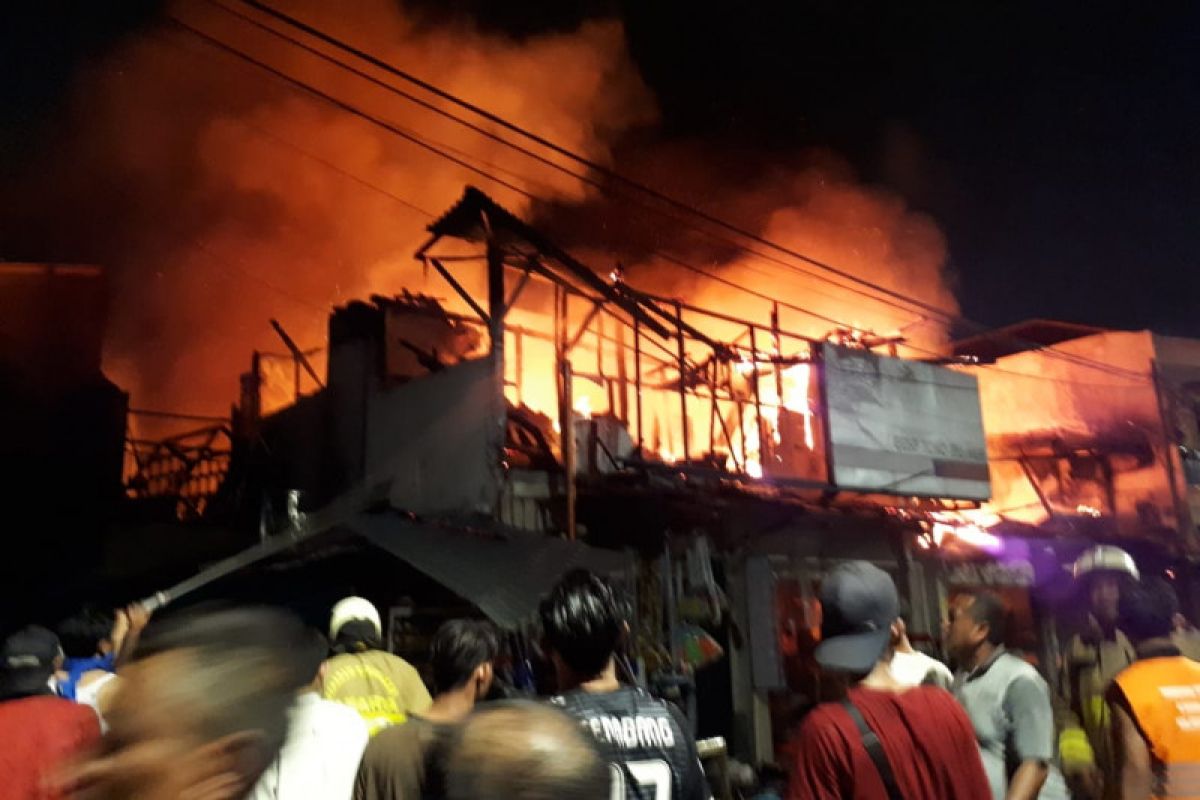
<point x="219" y="197"/>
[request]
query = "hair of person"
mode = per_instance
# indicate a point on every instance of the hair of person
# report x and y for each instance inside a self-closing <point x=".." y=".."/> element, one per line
<point x="522" y="750"/>
<point x="1148" y="609"/>
<point x="459" y="647"/>
<point x="81" y="633"/>
<point x="357" y="636"/>
<point x="243" y="669"/>
<point x="987" y="608"/>
<point x="313" y="651"/>
<point x="583" y="621"/>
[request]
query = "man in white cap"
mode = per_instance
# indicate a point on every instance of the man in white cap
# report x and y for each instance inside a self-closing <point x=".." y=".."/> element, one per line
<point x="383" y="688"/>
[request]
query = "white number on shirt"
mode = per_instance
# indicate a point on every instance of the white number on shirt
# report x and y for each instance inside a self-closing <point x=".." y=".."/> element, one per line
<point x="652" y="777"/>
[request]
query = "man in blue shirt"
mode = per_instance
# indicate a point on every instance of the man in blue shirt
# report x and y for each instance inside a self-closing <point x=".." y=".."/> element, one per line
<point x="90" y="642"/>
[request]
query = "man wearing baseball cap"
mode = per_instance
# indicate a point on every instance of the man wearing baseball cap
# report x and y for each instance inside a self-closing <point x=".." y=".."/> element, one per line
<point x="40" y="730"/>
<point x="884" y="741"/>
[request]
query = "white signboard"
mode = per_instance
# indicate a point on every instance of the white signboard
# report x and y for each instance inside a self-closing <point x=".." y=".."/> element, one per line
<point x="904" y="427"/>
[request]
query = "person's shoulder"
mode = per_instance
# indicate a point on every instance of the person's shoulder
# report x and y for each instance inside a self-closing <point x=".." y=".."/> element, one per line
<point x="1019" y="670"/>
<point x="821" y="729"/>
<point x="935" y="699"/>
<point x="51" y="707"/>
<point x="394" y="662"/>
<point x="823" y="717"/>
<point x="333" y="713"/>
<point x="398" y="737"/>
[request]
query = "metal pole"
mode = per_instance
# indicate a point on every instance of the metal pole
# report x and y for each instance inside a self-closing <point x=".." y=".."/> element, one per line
<point x="682" y="383"/>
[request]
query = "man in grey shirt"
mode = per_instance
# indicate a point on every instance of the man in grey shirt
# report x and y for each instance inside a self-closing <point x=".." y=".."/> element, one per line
<point x="1007" y="700"/>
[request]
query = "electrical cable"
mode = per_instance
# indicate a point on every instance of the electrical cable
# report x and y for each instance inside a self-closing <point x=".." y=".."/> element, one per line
<point x="309" y="89"/>
<point x="612" y="174"/>
<point x="439" y="150"/>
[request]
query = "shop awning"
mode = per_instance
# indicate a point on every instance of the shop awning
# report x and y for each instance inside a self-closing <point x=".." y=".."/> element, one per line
<point x="505" y="575"/>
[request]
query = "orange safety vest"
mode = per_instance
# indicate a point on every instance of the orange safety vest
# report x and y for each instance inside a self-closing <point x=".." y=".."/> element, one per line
<point x="1164" y="696"/>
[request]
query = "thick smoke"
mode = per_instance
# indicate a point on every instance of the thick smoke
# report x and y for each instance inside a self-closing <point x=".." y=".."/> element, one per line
<point x="810" y="203"/>
<point x="219" y="197"/>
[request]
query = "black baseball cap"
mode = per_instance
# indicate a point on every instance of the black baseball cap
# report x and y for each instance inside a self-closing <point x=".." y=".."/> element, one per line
<point x="27" y="660"/>
<point x="859" y="603"/>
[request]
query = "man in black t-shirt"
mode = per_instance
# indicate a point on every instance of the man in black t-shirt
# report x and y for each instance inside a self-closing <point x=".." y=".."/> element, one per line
<point x="650" y="752"/>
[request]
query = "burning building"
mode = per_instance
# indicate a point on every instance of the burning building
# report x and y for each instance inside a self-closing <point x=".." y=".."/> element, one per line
<point x="1092" y="434"/>
<point x="551" y="415"/>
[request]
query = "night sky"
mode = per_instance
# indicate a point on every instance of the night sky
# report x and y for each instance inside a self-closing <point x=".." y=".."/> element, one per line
<point x="1055" y="143"/>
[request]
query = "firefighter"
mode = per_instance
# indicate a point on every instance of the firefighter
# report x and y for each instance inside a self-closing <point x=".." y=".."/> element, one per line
<point x="1155" y="717"/>
<point x="1091" y="660"/>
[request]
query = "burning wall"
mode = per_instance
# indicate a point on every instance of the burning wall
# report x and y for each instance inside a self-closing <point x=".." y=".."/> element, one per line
<point x="1092" y="440"/>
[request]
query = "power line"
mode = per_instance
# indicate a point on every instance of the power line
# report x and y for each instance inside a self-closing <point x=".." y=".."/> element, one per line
<point x="601" y="169"/>
<point x="582" y="160"/>
<point x="441" y="151"/>
<point x="309" y="89"/>
<point x="583" y="177"/>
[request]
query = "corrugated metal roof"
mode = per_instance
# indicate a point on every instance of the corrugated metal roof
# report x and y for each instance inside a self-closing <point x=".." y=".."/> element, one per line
<point x="505" y="575"/>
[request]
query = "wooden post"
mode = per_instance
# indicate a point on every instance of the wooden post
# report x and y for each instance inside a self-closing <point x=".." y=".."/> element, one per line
<point x="682" y="381"/>
<point x="499" y="426"/>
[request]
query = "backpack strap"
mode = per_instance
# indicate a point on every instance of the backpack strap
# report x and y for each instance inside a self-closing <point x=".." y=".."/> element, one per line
<point x="875" y="750"/>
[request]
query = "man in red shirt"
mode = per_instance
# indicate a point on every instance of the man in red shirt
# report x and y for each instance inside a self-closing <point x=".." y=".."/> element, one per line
<point x="39" y="730"/>
<point x="885" y="741"/>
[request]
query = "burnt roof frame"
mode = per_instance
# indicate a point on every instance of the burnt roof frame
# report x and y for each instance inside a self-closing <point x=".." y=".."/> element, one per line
<point x="476" y="217"/>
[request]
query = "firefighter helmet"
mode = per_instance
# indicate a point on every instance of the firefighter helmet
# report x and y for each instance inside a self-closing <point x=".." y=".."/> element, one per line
<point x="350" y="609"/>
<point x="1104" y="558"/>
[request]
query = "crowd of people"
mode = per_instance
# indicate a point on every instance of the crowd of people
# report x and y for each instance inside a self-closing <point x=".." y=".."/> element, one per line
<point x="231" y="703"/>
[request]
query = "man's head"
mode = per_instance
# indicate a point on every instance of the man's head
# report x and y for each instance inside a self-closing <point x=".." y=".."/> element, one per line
<point x="859" y="609"/>
<point x="86" y="634"/>
<point x="1103" y="571"/>
<point x="463" y="653"/>
<point x="355" y="626"/>
<point x="976" y="619"/>
<point x="518" y="750"/>
<point x="202" y="709"/>
<point x="584" y="623"/>
<point x="1148" y="610"/>
<point x="1104" y="596"/>
<point x="27" y="660"/>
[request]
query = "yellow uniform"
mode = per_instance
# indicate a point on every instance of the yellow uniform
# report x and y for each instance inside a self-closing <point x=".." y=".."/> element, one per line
<point x="383" y="688"/>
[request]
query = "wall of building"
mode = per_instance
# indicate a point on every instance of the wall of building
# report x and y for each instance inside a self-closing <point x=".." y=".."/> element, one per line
<point x="1039" y="402"/>
<point x="1178" y="374"/>
<point x="435" y="440"/>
